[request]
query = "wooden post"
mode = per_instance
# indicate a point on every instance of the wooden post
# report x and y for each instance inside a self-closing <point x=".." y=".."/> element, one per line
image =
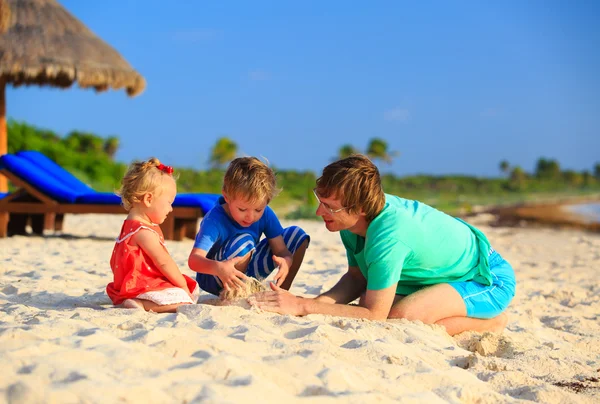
<point x="49" y="219"/>
<point x="4" y="218"/>
<point x="3" y="135"/>
<point x="168" y="227"/>
<point x="59" y="220"/>
<point x="191" y="228"/>
<point x="179" y="229"/>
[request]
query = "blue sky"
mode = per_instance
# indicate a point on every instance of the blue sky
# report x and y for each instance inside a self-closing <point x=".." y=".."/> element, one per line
<point x="454" y="86"/>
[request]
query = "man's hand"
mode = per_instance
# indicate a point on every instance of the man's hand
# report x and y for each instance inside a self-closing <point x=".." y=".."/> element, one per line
<point x="284" y="264"/>
<point x="278" y="300"/>
<point x="230" y="276"/>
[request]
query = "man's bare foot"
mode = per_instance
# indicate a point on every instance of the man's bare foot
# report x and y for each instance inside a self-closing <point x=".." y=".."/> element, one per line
<point x="133" y="304"/>
<point x="499" y="323"/>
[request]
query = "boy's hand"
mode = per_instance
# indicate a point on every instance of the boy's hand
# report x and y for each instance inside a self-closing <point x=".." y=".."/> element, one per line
<point x="284" y="264"/>
<point x="230" y="276"/>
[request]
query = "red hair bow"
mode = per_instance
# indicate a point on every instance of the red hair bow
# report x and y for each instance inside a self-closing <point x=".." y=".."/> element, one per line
<point x="165" y="169"/>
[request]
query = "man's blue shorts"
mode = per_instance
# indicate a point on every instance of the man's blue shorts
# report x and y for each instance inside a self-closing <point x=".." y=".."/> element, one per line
<point x="484" y="301"/>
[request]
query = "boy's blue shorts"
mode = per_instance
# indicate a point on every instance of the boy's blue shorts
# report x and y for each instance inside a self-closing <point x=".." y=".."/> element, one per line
<point x="261" y="263"/>
<point x="484" y="301"/>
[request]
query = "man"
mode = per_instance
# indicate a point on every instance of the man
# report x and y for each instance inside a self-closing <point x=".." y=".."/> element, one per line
<point x="405" y="259"/>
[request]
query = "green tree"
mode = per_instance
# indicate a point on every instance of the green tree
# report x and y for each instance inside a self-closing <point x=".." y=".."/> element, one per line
<point x="573" y="178"/>
<point x="597" y="170"/>
<point x="553" y="169"/>
<point x="84" y="142"/>
<point x="588" y="178"/>
<point x="346" y="151"/>
<point x="518" y="178"/>
<point x="111" y="145"/>
<point x="504" y="167"/>
<point x="547" y="169"/>
<point x="378" y="149"/>
<point x="223" y="152"/>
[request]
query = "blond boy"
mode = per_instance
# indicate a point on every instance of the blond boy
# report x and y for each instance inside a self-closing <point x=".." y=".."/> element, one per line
<point x="228" y="247"/>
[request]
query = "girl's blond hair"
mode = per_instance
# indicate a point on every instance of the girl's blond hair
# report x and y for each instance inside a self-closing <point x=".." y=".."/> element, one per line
<point x="142" y="177"/>
<point x="356" y="182"/>
<point x="251" y="179"/>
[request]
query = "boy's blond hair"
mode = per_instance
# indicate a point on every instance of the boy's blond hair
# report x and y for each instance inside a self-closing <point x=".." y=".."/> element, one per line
<point x="250" y="179"/>
<point x="356" y="182"/>
<point x="142" y="177"/>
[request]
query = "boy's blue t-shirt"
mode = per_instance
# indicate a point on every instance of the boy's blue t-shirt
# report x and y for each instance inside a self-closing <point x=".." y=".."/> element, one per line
<point x="217" y="227"/>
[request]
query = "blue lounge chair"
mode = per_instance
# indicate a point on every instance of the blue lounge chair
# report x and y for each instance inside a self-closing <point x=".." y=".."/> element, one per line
<point x="47" y="190"/>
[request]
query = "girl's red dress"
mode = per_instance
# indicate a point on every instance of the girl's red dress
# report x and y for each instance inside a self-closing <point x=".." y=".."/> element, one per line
<point x="134" y="271"/>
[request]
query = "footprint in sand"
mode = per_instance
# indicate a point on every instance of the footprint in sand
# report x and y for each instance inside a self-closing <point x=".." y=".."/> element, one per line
<point x="87" y="332"/>
<point x="25" y="370"/>
<point x="204" y="355"/>
<point x="301" y="333"/>
<point x="130" y="325"/>
<point x="208" y="324"/>
<point x="239" y="333"/>
<point x="355" y="344"/>
<point x="9" y="290"/>
<point x="73" y="377"/>
<point x="21" y="392"/>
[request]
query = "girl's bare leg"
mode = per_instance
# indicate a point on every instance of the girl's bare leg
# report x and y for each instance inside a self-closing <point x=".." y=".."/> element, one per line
<point x="133" y="304"/>
<point x="150" y="306"/>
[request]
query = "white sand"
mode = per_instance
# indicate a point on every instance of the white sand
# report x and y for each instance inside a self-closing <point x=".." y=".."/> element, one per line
<point x="61" y="341"/>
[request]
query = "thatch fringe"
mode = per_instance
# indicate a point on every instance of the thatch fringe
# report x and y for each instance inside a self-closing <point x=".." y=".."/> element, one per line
<point x="64" y="77"/>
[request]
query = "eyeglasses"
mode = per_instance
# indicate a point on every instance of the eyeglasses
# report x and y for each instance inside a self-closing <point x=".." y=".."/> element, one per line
<point x="332" y="211"/>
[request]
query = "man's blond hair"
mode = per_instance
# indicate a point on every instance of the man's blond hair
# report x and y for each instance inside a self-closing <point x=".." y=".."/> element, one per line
<point x="250" y="179"/>
<point x="355" y="181"/>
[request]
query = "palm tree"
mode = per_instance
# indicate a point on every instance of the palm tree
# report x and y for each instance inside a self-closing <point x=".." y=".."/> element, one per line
<point x="504" y="166"/>
<point x="347" y="150"/>
<point x="554" y="169"/>
<point x="378" y="150"/>
<point x="223" y="152"/>
<point x="111" y="145"/>
<point x="518" y="178"/>
<point x="547" y="168"/>
<point x="84" y="142"/>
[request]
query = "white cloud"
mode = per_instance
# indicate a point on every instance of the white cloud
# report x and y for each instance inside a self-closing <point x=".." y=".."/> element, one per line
<point x="258" y="75"/>
<point x="397" y="114"/>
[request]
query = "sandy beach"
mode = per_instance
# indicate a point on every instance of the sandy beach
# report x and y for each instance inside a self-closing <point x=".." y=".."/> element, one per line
<point x="61" y="341"/>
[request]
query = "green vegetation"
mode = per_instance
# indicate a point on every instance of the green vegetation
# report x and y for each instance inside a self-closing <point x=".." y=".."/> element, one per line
<point x="223" y="152"/>
<point x="91" y="158"/>
<point x="377" y="149"/>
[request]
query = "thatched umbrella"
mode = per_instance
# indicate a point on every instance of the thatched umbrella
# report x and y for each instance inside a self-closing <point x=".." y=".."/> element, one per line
<point x="42" y="44"/>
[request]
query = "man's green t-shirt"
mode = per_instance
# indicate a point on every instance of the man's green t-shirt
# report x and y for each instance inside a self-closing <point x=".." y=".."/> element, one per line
<point x="416" y="245"/>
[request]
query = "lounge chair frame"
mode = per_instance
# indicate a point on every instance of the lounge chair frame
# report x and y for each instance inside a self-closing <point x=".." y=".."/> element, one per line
<point x="29" y="205"/>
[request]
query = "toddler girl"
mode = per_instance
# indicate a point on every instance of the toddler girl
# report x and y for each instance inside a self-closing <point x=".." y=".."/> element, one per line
<point x="145" y="275"/>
